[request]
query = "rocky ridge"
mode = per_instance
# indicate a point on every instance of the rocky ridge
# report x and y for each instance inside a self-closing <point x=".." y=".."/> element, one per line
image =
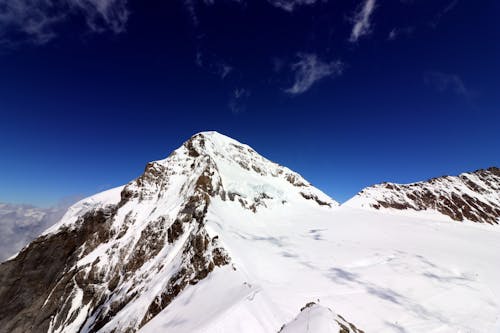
<point x="473" y="196"/>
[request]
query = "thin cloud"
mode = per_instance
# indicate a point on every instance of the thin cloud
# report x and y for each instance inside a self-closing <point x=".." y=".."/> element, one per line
<point x="448" y="8"/>
<point x="290" y="5"/>
<point x="396" y="33"/>
<point x="362" y="24"/>
<point x="238" y="97"/>
<point x="287" y="5"/>
<point x="36" y="20"/>
<point x="191" y="8"/>
<point x="213" y="65"/>
<point x="447" y="82"/>
<point x="309" y="69"/>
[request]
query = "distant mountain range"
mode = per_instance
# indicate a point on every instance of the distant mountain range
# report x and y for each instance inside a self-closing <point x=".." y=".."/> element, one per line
<point x="216" y="238"/>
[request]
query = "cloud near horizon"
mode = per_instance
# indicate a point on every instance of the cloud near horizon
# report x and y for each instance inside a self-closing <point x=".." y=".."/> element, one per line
<point x="20" y="224"/>
<point x="309" y="69"/>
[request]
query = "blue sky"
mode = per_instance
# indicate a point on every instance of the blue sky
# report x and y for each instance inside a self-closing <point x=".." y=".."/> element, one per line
<point x="347" y="93"/>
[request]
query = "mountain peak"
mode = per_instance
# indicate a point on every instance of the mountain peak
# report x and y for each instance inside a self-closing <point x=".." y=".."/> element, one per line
<point x="235" y="169"/>
<point x="120" y="257"/>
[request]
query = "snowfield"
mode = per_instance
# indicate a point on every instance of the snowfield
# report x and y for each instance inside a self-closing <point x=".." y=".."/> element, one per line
<point x="384" y="273"/>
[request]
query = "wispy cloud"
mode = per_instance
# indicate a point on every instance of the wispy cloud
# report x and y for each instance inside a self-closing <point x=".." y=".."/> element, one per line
<point x="287" y="5"/>
<point x="448" y="8"/>
<point x="309" y="69"/>
<point x="361" y="20"/>
<point x="396" y="33"/>
<point x="213" y="65"/>
<point x="190" y="6"/>
<point x="447" y="82"/>
<point x="290" y="5"/>
<point x="36" y="20"/>
<point x="237" y="101"/>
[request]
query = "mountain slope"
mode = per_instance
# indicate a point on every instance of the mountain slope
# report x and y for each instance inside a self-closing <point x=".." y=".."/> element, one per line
<point x="216" y="238"/>
<point x="318" y="319"/>
<point x="116" y="259"/>
<point x="473" y="196"/>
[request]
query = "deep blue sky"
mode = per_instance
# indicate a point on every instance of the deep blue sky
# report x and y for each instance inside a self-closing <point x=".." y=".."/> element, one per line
<point x="87" y="97"/>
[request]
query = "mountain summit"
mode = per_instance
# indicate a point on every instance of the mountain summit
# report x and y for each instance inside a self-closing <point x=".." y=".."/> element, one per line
<point x="118" y="258"/>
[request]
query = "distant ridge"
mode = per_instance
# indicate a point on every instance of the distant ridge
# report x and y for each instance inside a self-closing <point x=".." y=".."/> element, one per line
<point x="473" y="196"/>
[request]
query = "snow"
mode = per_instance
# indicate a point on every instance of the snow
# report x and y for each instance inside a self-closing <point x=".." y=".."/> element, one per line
<point x="315" y="318"/>
<point x="381" y="271"/>
<point x="108" y="197"/>
<point x="384" y="273"/>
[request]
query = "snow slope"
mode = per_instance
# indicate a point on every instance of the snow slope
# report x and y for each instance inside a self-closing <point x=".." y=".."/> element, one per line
<point x="384" y="273"/>
<point x="116" y="259"/>
<point x="318" y="319"/>
<point x="216" y="238"/>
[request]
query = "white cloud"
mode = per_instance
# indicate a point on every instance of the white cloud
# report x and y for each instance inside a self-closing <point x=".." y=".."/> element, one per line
<point x="309" y="69"/>
<point x="362" y="24"/>
<point x="35" y="20"/>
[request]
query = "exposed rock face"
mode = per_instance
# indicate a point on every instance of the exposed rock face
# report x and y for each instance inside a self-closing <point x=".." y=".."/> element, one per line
<point x="316" y="318"/>
<point x="33" y="283"/>
<point x="117" y="259"/>
<point x="471" y="196"/>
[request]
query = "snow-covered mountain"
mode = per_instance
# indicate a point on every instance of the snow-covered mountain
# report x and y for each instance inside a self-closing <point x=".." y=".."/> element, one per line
<point x="116" y="259"/>
<point x="216" y="238"/>
<point x="473" y="196"/>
